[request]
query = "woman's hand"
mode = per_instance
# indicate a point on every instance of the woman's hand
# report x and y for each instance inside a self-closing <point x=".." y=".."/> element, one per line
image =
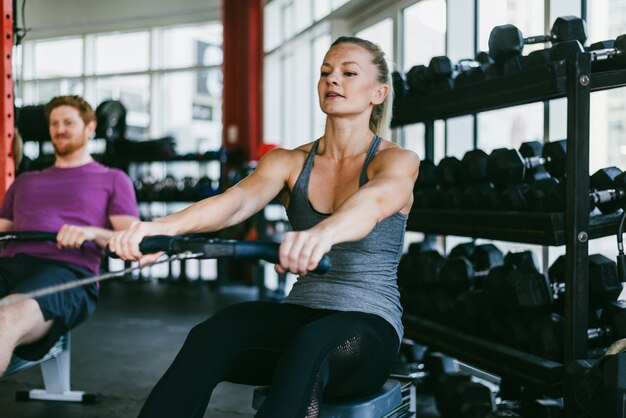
<point x="301" y="251"/>
<point x="126" y="243"/>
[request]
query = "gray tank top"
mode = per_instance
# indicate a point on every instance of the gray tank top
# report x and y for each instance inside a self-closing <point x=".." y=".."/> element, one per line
<point x="363" y="273"/>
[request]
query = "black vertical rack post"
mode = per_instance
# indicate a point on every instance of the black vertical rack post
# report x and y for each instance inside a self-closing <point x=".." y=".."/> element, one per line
<point x="429" y="140"/>
<point x="577" y="214"/>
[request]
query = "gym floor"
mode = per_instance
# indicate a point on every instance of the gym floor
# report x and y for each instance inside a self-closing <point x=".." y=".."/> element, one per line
<point x="123" y="349"/>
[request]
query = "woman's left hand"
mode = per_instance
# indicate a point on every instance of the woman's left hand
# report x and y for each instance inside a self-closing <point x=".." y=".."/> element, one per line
<point x="301" y="251"/>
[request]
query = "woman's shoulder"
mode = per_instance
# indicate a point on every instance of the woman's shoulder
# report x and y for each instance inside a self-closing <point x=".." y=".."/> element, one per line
<point x="392" y="158"/>
<point x="286" y="157"/>
<point x="390" y="150"/>
<point x="305" y="148"/>
<point x="297" y="153"/>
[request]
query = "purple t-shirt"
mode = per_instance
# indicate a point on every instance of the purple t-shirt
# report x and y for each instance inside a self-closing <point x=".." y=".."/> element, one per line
<point x="46" y="200"/>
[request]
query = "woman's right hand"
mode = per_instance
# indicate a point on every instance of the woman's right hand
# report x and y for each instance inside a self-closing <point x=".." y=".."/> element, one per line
<point x="126" y="243"/>
<point x="301" y="251"/>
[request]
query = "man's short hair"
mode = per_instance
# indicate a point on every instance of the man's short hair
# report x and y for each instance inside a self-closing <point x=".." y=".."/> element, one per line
<point x="84" y="109"/>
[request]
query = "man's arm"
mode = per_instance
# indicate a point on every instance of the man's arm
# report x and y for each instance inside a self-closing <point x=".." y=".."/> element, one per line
<point x="6" y="225"/>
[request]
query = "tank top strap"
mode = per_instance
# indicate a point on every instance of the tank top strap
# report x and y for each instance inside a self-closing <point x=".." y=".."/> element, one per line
<point x="371" y="153"/>
<point x="302" y="184"/>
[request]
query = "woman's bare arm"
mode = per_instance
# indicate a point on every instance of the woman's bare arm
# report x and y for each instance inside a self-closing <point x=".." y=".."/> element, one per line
<point x="232" y="207"/>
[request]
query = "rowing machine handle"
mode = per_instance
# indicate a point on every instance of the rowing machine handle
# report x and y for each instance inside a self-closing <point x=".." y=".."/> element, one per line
<point x="268" y="251"/>
<point x="150" y="245"/>
<point x="28" y="236"/>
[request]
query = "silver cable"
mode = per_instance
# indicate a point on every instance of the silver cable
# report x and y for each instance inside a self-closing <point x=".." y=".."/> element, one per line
<point x="9" y="300"/>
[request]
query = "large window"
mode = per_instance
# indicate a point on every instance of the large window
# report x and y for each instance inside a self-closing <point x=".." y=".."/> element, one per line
<point x="424" y="34"/>
<point x="527" y="15"/>
<point x="295" y="49"/>
<point x="380" y="33"/>
<point x="169" y="79"/>
<point x="607" y="20"/>
<point x="320" y="46"/>
<point x="607" y="134"/>
<point x="122" y="52"/>
<point x="56" y="58"/>
<point x="424" y="37"/>
<point x="511" y="126"/>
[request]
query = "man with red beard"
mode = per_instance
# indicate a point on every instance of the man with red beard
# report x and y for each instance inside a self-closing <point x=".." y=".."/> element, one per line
<point x="84" y="202"/>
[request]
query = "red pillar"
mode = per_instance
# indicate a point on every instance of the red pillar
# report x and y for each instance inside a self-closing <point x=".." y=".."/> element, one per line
<point x="243" y="77"/>
<point x="7" y="167"/>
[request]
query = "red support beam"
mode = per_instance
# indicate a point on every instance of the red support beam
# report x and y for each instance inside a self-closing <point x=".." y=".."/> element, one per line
<point x="7" y="166"/>
<point x="242" y="99"/>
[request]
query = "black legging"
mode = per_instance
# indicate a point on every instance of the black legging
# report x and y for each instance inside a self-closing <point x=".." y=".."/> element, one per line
<point x="302" y="352"/>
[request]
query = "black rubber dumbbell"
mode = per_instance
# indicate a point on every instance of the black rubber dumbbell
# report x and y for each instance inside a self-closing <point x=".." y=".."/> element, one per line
<point x="568" y="36"/>
<point x="535" y="195"/>
<point x="608" y="55"/>
<point x="477" y="184"/>
<point x="558" y="52"/>
<point x="426" y="192"/>
<point x="470" y="308"/>
<point x="528" y="294"/>
<point x="446" y="75"/>
<point x="494" y="284"/>
<point x="500" y="325"/>
<point x="532" y="196"/>
<point x="529" y="195"/>
<point x="604" y="284"/>
<point x="457" y="396"/>
<point x="508" y="167"/>
<point x="448" y="172"/>
<point x="436" y="302"/>
<point x="514" y="197"/>
<point x="461" y="278"/>
<point x="459" y="273"/>
<point x="608" y="191"/>
<point x="507" y="42"/>
<point x="474" y="71"/>
<point x="400" y="86"/>
<point x="452" y="176"/>
<point x="564" y="28"/>
<point x="449" y="179"/>
<point x="419" y="79"/>
<point x="408" y="269"/>
<point x="547" y="331"/>
<point x="442" y="72"/>
<point x="420" y="259"/>
<point x="427" y="268"/>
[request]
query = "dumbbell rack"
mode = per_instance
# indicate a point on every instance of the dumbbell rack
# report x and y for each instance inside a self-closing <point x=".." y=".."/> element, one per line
<point x="130" y="165"/>
<point x="574" y="80"/>
<point x="126" y="164"/>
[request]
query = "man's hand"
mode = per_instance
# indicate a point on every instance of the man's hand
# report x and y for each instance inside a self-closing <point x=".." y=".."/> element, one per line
<point x="73" y="236"/>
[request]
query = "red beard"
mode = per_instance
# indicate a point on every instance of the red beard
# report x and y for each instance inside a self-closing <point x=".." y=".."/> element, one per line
<point x="67" y="147"/>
